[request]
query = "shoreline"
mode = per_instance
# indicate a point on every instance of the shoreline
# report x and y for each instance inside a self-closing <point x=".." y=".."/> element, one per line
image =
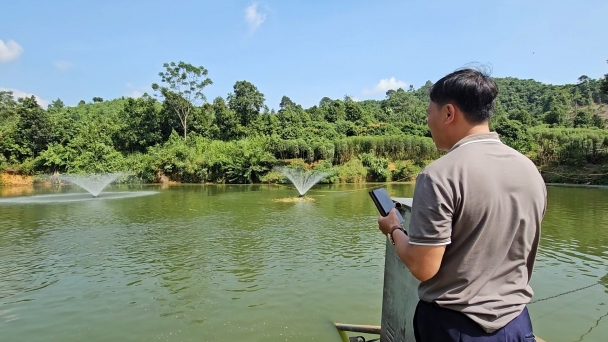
<point x="571" y="185"/>
<point x="173" y="183"/>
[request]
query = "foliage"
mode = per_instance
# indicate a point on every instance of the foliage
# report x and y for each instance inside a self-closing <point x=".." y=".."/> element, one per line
<point x="513" y="133"/>
<point x="377" y="168"/>
<point x="249" y="161"/>
<point x="604" y="85"/>
<point x="246" y="101"/>
<point x="238" y="139"/>
<point x="33" y="131"/>
<point x="184" y="90"/>
<point x="570" y="146"/>
<point x="141" y="126"/>
<point x="405" y="171"/>
<point x="331" y="170"/>
<point x="352" y="171"/>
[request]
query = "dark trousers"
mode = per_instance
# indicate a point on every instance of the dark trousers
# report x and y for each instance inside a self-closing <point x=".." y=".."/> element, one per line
<point x="433" y="323"/>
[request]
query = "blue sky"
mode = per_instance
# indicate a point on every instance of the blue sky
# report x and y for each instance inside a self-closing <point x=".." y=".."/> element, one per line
<point x="75" y="50"/>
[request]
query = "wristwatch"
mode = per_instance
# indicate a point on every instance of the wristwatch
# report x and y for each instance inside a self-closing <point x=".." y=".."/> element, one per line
<point x="390" y="233"/>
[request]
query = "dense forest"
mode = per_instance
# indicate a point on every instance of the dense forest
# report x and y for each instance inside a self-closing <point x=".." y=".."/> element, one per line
<point x="176" y="134"/>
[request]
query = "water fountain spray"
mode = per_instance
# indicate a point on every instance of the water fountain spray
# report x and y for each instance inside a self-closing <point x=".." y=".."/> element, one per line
<point x="93" y="183"/>
<point x="302" y="180"/>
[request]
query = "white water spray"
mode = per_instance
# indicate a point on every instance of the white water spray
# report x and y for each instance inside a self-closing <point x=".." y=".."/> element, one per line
<point x="302" y="180"/>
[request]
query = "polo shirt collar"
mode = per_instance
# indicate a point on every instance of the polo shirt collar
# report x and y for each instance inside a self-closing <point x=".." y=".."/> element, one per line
<point x="475" y="137"/>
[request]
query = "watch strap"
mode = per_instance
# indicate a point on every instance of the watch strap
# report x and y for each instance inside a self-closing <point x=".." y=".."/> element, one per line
<point x="390" y="232"/>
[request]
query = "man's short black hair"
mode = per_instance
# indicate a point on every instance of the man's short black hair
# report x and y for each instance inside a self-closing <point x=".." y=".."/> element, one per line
<point x="471" y="90"/>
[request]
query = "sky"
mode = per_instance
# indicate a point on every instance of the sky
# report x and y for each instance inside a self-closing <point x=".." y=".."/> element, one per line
<point x="305" y="49"/>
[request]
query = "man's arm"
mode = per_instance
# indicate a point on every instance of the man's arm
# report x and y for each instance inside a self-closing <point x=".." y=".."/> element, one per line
<point x="422" y="261"/>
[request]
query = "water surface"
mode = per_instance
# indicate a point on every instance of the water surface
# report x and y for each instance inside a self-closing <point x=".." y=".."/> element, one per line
<point x="228" y="263"/>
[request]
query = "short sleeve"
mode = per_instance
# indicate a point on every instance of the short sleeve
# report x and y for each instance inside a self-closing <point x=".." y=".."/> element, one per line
<point x="432" y="209"/>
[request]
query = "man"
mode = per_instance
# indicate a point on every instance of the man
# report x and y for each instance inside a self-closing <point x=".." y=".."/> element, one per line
<point x="475" y="222"/>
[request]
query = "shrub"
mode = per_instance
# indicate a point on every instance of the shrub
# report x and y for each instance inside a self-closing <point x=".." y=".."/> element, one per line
<point x="352" y="171"/>
<point x="405" y="171"/>
<point x="377" y="167"/>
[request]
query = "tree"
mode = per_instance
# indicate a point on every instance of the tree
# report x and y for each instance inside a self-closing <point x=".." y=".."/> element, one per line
<point x="597" y="121"/>
<point x="225" y="120"/>
<point x="604" y="85"/>
<point x="34" y="127"/>
<point x="583" y="118"/>
<point x="184" y="90"/>
<point x="141" y="125"/>
<point x="286" y="103"/>
<point x="522" y="116"/>
<point x="401" y="106"/>
<point x="7" y="102"/>
<point x="352" y="110"/>
<point x="513" y="133"/>
<point x="326" y="101"/>
<point x="335" y="112"/>
<point x="97" y="99"/>
<point x="267" y="124"/>
<point x="556" y="109"/>
<point x="246" y="101"/>
<point x="56" y="105"/>
<point x="291" y="122"/>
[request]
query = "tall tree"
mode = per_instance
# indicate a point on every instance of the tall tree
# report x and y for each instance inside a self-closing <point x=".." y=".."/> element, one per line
<point x="7" y="102"/>
<point x="246" y="101"/>
<point x="286" y="103"/>
<point x="34" y="127"/>
<point x="335" y="111"/>
<point x="140" y="125"/>
<point x="352" y="110"/>
<point x="225" y="120"/>
<point x="184" y="89"/>
<point x="556" y="109"/>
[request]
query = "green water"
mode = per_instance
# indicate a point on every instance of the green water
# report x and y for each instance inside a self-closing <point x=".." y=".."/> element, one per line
<point x="227" y="263"/>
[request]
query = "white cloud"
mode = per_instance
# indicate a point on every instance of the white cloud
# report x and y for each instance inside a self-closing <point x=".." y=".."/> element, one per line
<point x="135" y="92"/>
<point x="21" y="94"/>
<point x="63" y="65"/>
<point x="254" y="18"/>
<point x="9" y="50"/>
<point x="384" y="85"/>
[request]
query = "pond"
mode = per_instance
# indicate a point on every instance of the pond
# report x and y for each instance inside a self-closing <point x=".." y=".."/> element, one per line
<point x="235" y="263"/>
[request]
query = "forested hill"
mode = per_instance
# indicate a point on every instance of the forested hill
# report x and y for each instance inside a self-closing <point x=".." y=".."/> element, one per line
<point x="239" y="139"/>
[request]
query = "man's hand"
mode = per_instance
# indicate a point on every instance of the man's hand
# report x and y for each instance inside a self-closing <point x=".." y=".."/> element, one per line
<point x="386" y="223"/>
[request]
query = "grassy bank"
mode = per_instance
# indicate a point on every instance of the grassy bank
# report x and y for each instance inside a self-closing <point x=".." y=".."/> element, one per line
<point x="356" y="170"/>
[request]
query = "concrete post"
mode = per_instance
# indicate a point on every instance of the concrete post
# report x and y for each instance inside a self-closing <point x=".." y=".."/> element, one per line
<point x="400" y="294"/>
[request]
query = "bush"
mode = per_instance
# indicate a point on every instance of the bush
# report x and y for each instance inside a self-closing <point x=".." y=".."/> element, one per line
<point x="249" y="162"/>
<point x="274" y="177"/>
<point x="332" y="172"/>
<point x="352" y="172"/>
<point x="377" y="168"/>
<point x="569" y="146"/>
<point x="405" y="171"/>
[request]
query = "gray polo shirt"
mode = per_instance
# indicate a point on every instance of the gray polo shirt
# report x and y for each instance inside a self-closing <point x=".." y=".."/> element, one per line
<point x="485" y="201"/>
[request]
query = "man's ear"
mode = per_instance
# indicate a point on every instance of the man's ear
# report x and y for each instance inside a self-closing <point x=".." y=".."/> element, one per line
<point x="450" y="113"/>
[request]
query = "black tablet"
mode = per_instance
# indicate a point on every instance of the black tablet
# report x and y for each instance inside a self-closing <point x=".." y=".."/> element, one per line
<point x="383" y="202"/>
